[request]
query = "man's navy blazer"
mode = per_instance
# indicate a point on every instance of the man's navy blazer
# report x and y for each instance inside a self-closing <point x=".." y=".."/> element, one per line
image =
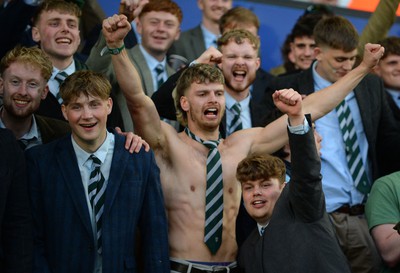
<point x="63" y="236"/>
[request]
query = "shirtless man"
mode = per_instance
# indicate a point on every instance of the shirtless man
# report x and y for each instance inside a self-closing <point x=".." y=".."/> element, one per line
<point x="182" y="160"/>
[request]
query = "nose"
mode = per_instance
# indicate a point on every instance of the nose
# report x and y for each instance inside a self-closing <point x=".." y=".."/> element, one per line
<point x="348" y="65"/>
<point x="23" y="89"/>
<point x="256" y="191"/>
<point x="87" y="113"/>
<point x="308" y="51"/>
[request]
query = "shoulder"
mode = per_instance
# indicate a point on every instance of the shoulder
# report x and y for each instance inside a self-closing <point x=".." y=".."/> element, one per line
<point x="6" y="136"/>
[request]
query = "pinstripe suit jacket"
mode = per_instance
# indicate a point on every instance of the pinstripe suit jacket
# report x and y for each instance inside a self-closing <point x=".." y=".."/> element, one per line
<point x="63" y="237"/>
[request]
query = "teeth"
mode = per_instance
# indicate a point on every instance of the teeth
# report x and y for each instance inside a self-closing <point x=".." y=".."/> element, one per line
<point x="21" y="101"/>
<point x="258" y="202"/>
<point x="63" y="40"/>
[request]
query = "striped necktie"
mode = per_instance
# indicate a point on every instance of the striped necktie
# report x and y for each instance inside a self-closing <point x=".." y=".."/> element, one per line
<point x="353" y="154"/>
<point x="236" y="123"/>
<point x="160" y="75"/>
<point x="96" y="190"/>
<point x="60" y="78"/>
<point x="214" y="194"/>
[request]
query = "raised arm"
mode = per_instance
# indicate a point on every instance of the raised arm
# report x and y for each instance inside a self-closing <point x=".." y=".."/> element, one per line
<point x="318" y="104"/>
<point x="142" y="109"/>
<point x="322" y="102"/>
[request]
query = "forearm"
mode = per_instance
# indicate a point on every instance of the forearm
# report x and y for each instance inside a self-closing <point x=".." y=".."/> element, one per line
<point x="388" y="242"/>
<point x="322" y="102"/>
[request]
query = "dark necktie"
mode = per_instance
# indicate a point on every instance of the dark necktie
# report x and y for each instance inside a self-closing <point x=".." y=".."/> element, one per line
<point x="353" y="154"/>
<point x="60" y="78"/>
<point x="96" y="190"/>
<point x="236" y="123"/>
<point x="160" y="75"/>
<point x="214" y="194"/>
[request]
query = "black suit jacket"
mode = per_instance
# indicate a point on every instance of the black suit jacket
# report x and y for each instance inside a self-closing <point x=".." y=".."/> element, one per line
<point x="15" y="215"/>
<point x="379" y="124"/>
<point x="299" y="236"/>
<point x="395" y="109"/>
<point x="51" y="129"/>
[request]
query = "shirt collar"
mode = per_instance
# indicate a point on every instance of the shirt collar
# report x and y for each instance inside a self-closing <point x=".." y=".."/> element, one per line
<point x="209" y="37"/>
<point x="150" y="60"/>
<point x="230" y="101"/>
<point x="69" y="70"/>
<point x="101" y="153"/>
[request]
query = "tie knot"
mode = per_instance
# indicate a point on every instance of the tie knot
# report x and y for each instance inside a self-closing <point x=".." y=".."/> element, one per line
<point x="159" y="69"/>
<point x="61" y="76"/>
<point x="236" y="108"/>
<point x="95" y="160"/>
<point x="211" y="144"/>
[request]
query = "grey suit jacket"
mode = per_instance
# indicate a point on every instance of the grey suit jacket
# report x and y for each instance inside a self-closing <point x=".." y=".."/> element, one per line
<point x="299" y="237"/>
<point x="104" y="65"/>
<point x="190" y="44"/>
<point x="378" y="121"/>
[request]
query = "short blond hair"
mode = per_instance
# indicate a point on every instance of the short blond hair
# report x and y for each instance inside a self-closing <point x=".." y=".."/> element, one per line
<point x="28" y="55"/>
<point x="86" y="82"/>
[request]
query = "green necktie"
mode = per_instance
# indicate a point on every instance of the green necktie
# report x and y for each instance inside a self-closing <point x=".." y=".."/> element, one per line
<point x="60" y="78"/>
<point x="214" y="194"/>
<point x="96" y="190"/>
<point x="353" y="155"/>
<point x="236" y="123"/>
<point x="160" y="77"/>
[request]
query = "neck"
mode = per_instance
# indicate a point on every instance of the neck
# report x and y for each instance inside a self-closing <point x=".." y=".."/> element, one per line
<point x="19" y="126"/>
<point x="61" y="64"/>
<point x="158" y="55"/>
<point x="238" y="96"/>
<point x="204" y="134"/>
<point x="211" y="26"/>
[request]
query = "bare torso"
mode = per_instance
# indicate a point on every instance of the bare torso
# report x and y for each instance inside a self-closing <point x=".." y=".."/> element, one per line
<point x="183" y="177"/>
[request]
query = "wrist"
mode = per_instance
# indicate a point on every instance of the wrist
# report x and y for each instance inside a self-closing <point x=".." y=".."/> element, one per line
<point x="115" y="50"/>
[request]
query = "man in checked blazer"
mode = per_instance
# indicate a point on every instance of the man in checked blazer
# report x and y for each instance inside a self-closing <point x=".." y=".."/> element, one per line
<point x="65" y="222"/>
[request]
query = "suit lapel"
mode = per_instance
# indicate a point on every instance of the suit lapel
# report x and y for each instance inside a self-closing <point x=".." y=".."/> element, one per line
<point x="360" y="93"/>
<point x="118" y="165"/>
<point x="143" y="69"/>
<point x="71" y="176"/>
<point x="198" y="41"/>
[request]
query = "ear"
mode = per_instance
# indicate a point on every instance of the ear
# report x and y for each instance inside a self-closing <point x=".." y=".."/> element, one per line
<point x="109" y="105"/>
<point x="35" y="34"/>
<point x="258" y="62"/>
<point x="178" y="34"/>
<point x="64" y="111"/>
<point x="200" y="5"/>
<point x="184" y="103"/>
<point x="139" y="27"/>
<point x="318" y="53"/>
<point x="45" y="92"/>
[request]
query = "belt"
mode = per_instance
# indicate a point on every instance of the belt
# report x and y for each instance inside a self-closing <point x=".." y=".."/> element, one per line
<point x="183" y="268"/>
<point x="351" y="210"/>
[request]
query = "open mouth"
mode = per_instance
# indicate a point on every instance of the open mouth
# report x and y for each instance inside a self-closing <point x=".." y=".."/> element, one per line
<point x="21" y="102"/>
<point x="89" y="125"/>
<point x="63" y="40"/>
<point x="211" y="112"/>
<point x="239" y="74"/>
<point x="258" y="203"/>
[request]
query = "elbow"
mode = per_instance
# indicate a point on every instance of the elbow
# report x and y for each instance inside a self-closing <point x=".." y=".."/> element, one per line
<point x="390" y="259"/>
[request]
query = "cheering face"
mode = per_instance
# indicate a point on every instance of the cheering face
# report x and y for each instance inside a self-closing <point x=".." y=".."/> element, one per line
<point x="58" y="34"/>
<point x="389" y="70"/>
<point x="159" y="30"/>
<point x="303" y="53"/>
<point x="204" y="105"/>
<point x="213" y="9"/>
<point x="239" y="65"/>
<point x="333" y="64"/>
<point x="23" y="87"/>
<point x="260" y="196"/>
<point x="87" y="117"/>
